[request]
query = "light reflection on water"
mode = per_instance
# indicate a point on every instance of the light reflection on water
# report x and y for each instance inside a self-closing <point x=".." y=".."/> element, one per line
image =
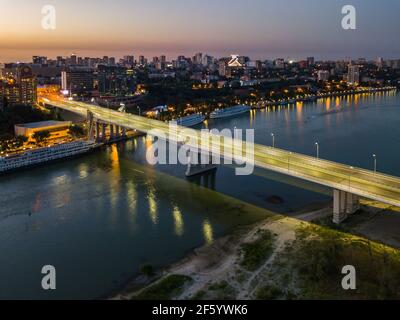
<point x="100" y="217"/>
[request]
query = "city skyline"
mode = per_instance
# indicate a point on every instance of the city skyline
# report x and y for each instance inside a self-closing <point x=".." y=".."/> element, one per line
<point x="262" y="30"/>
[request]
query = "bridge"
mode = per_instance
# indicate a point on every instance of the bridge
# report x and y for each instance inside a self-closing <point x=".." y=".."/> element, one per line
<point x="348" y="183"/>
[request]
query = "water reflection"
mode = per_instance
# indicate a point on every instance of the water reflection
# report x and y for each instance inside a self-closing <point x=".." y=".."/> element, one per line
<point x="153" y="211"/>
<point x="178" y="221"/>
<point x="114" y="184"/>
<point x="132" y="198"/>
<point x="208" y="232"/>
<point x="83" y="170"/>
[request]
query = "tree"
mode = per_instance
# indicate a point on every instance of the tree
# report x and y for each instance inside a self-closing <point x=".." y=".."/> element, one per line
<point x="20" y="140"/>
<point x="76" y="131"/>
<point x="41" y="136"/>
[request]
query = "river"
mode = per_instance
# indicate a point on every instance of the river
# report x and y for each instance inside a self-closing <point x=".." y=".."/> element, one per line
<point x="100" y="217"/>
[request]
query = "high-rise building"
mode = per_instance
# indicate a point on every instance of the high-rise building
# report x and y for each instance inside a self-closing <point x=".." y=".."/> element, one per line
<point x="198" y="58"/>
<point x="39" y="60"/>
<point x="20" y="89"/>
<point x="73" y="60"/>
<point x="9" y="92"/>
<point x="353" y="76"/>
<point x="379" y="62"/>
<point x="27" y="85"/>
<point x="142" y="60"/>
<point x="77" y="80"/>
<point x="129" y="60"/>
<point x="280" y="63"/>
<point x="323" y="75"/>
<point x="223" y="68"/>
<point x="207" y="60"/>
<point x="310" y="61"/>
<point x="115" y="80"/>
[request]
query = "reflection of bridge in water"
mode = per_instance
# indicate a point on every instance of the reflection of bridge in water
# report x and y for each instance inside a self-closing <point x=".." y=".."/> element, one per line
<point x="348" y="183"/>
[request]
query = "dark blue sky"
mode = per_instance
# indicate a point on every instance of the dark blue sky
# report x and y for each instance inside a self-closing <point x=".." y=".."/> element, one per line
<point x="259" y="28"/>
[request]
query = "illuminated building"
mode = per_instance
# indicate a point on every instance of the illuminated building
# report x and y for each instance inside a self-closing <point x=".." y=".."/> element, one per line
<point x="323" y="75"/>
<point x="77" y="80"/>
<point x="27" y="85"/>
<point x="115" y="80"/>
<point x="57" y="129"/>
<point x="353" y="76"/>
<point x="20" y="89"/>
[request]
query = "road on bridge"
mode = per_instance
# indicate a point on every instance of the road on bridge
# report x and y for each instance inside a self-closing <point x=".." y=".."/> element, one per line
<point x="364" y="183"/>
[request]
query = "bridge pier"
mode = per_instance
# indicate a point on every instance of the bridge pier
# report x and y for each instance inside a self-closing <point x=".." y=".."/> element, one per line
<point x="103" y="131"/>
<point x="117" y="131"/>
<point x="90" y="124"/>
<point x="97" y="131"/>
<point x="111" y="132"/>
<point x="344" y="204"/>
<point x="197" y="166"/>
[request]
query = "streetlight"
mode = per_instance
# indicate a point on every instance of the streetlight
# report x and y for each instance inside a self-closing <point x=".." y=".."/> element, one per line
<point x="375" y="162"/>
<point x="317" y="145"/>
<point x="273" y="140"/>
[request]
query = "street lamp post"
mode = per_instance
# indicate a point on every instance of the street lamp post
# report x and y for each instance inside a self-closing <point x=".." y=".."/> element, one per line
<point x="273" y="140"/>
<point x="140" y="111"/>
<point x="317" y="146"/>
<point x="375" y="163"/>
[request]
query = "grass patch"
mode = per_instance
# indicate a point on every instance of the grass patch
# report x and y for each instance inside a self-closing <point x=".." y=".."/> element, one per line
<point x="218" y="286"/>
<point x="319" y="254"/>
<point x="165" y="289"/>
<point x="256" y="252"/>
<point x="200" y="295"/>
<point x="222" y="291"/>
<point x="268" y="293"/>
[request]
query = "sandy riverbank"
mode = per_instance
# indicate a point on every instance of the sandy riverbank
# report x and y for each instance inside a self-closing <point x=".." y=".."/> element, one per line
<point x="216" y="270"/>
<point x="218" y="262"/>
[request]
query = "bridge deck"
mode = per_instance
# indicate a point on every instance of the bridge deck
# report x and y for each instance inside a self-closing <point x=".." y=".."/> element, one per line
<point x="358" y="181"/>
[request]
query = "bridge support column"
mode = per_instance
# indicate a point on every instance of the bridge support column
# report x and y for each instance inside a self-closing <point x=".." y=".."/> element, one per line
<point x="123" y="132"/>
<point x="344" y="204"/>
<point x="97" y="131"/>
<point x="198" y="164"/>
<point x="103" y="131"/>
<point x="90" y="125"/>
<point x="117" y="131"/>
<point x="111" y="132"/>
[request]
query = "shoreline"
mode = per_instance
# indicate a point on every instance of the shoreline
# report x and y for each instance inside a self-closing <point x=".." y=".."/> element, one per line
<point x="207" y="258"/>
<point x="216" y="271"/>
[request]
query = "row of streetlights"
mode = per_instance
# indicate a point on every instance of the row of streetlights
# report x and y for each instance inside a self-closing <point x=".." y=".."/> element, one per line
<point x="374" y="156"/>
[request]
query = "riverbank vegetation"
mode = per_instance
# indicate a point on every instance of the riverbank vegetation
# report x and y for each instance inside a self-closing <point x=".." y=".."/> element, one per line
<point x="318" y="255"/>
<point x="165" y="289"/>
<point x="256" y="252"/>
<point x="19" y="114"/>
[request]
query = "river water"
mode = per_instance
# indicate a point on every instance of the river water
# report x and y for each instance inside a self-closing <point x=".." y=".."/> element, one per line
<point x="100" y="217"/>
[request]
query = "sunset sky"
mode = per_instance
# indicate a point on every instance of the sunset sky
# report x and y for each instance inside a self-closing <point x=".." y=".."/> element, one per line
<point x="258" y="28"/>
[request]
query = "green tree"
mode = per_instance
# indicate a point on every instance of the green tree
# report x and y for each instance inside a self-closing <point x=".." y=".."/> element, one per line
<point x="20" y="140"/>
<point x="41" y="136"/>
<point x="76" y="131"/>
